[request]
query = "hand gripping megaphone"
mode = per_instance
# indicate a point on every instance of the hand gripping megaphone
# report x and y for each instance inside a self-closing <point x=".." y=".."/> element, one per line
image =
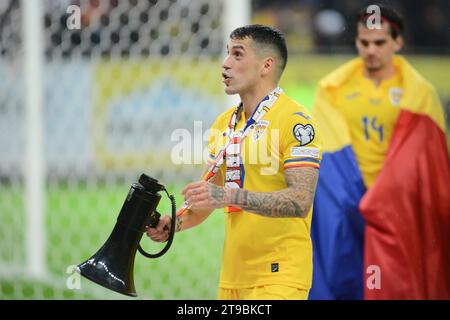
<point x="113" y="264"/>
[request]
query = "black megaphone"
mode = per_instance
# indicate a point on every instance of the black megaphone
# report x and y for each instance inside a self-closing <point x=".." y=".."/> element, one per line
<point x="112" y="266"/>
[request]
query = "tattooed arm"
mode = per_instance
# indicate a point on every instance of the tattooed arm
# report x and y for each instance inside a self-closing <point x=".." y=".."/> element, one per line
<point x="294" y="201"/>
<point x="189" y="219"/>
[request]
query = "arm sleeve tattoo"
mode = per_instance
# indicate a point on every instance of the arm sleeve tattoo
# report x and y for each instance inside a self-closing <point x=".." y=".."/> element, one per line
<point x="294" y="201"/>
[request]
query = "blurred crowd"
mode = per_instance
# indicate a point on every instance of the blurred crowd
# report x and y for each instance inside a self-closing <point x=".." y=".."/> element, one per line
<point x="310" y="26"/>
<point x="328" y="25"/>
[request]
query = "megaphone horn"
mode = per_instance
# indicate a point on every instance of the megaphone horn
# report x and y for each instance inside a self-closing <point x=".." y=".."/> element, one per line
<point x="113" y="265"/>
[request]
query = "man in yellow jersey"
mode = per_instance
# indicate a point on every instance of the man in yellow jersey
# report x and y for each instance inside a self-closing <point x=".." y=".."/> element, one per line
<point x="270" y="152"/>
<point x="390" y="221"/>
<point x="369" y="100"/>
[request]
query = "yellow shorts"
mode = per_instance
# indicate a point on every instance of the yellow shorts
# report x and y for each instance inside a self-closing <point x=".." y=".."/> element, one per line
<point x="269" y="292"/>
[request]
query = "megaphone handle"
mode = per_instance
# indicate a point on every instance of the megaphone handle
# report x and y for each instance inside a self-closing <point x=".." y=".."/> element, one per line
<point x="153" y="219"/>
<point x="171" y="233"/>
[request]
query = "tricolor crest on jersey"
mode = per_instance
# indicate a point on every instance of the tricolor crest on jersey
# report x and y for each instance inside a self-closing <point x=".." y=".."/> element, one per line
<point x="395" y="94"/>
<point x="259" y="129"/>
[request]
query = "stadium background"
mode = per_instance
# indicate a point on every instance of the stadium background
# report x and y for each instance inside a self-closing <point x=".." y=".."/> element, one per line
<point x="114" y="94"/>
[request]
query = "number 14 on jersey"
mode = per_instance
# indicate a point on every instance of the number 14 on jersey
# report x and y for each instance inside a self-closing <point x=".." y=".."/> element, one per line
<point x="370" y="125"/>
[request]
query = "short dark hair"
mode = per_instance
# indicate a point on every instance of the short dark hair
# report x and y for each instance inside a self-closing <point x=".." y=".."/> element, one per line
<point x="266" y="36"/>
<point x="389" y="15"/>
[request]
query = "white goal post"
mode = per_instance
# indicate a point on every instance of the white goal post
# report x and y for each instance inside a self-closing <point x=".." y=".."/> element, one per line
<point x="34" y="167"/>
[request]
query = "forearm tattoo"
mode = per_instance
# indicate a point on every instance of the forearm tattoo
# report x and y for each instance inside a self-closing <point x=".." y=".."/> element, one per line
<point x="294" y="201"/>
<point x="178" y="224"/>
<point x="217" y="195"/>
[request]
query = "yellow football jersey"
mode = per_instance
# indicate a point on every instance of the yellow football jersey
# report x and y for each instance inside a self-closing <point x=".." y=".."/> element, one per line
<point x="371" y="113"/>
<point x="261" y="250"/>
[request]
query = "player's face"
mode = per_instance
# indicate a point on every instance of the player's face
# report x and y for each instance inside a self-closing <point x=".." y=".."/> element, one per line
<point x="241" y="67"/>
<point x="376" y="46"/>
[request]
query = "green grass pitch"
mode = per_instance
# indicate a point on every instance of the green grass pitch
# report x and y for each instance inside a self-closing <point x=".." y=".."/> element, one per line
<point x="78" y="221"/>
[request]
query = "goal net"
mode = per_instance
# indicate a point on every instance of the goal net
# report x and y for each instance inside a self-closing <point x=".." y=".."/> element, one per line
<point x="130" y="87"/>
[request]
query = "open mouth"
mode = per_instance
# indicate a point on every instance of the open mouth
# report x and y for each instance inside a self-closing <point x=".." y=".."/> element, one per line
<point x="226" y="78"/>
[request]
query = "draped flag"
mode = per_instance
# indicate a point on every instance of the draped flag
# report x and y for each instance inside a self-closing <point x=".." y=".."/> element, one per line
<point x="400" y="226"/>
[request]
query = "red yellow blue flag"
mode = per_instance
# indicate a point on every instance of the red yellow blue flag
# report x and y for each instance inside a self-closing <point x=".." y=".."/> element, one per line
<point x="400" y="226"/>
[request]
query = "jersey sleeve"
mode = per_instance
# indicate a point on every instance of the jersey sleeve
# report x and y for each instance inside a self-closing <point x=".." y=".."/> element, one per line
<point x="301" y="145"/>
